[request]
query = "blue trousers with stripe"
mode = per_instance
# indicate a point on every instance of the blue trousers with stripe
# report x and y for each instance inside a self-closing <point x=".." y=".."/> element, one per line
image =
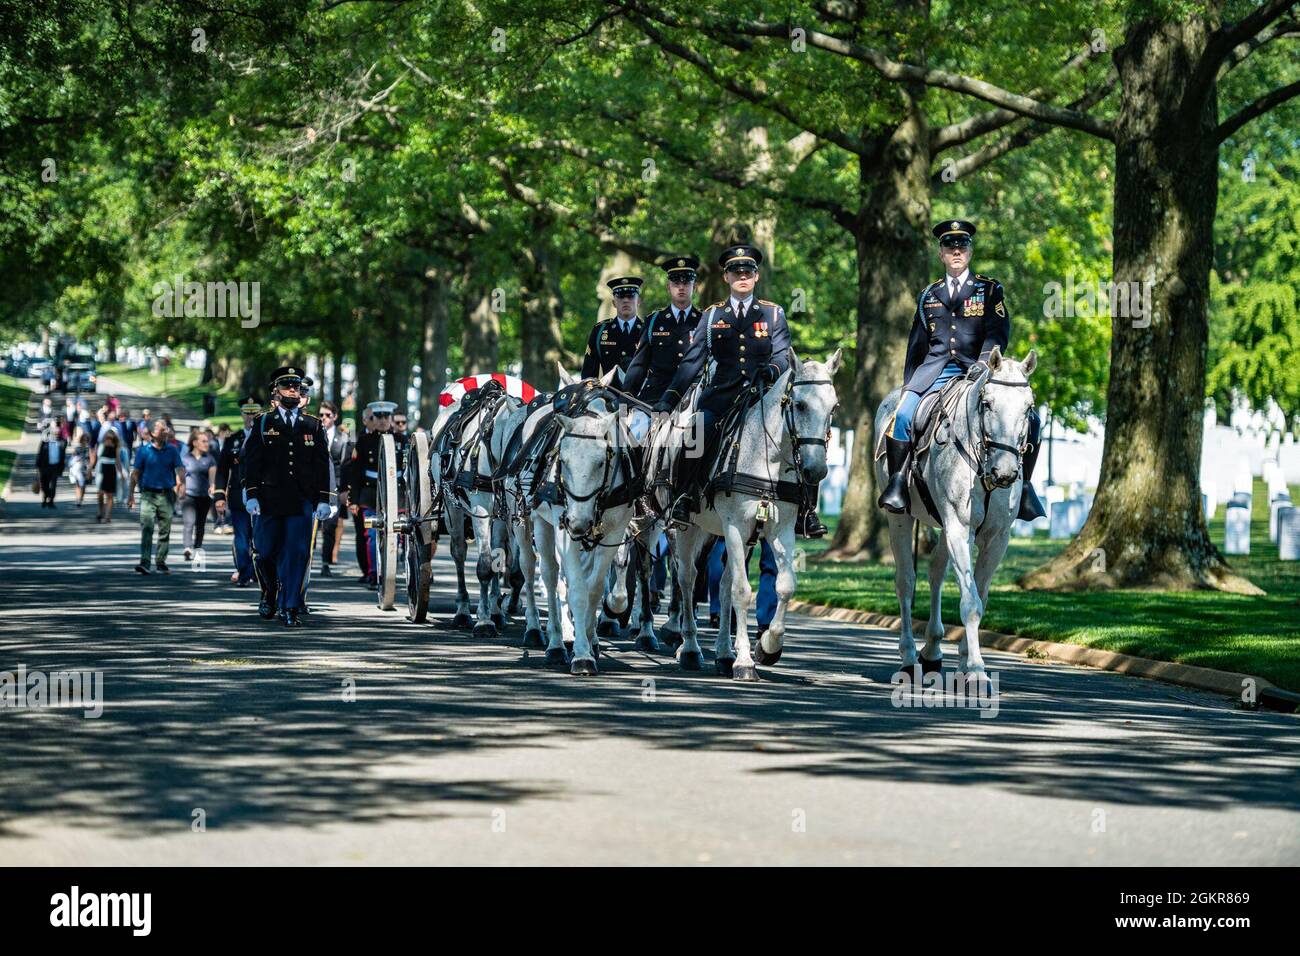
<point x="910" y="400"/>
<point x="765" y="603"/>
<point x="284" y="549"/>
<point x="242" y="537"/>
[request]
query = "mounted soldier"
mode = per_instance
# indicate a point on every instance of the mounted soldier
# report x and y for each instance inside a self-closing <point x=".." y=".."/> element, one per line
<point x="749" y="341"/>
<point x="959" y="320"/>
<point x="613" y="342"/>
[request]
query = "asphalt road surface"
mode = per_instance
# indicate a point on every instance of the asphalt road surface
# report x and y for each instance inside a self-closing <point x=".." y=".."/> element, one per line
<point x="362" y="739"/>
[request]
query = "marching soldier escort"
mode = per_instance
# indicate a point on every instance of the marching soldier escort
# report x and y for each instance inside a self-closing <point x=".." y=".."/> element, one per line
<point x="287" y="484"/>
<point x="229" y="493"/>
<point x="667" y="334"/>
<point x="613" y="342"/>
<point x="959" y="319"/>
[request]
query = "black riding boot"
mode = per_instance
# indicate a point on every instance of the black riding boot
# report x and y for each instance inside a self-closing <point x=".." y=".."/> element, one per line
<point x="1030" y="506"/>
<point x="808" y="524"/>
<point x="895" y="497"/>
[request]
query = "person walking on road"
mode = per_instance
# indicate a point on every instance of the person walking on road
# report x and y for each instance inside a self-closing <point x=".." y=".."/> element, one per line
<point x="159" y="473"/>
<point x="109" y="464"/>
<point x="79" y="463"/>
<point x="51" y="460"/>
<point x="200" y="477"/>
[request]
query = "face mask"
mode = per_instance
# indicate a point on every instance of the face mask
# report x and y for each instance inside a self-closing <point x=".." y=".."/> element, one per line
<point x="289" y="401"/>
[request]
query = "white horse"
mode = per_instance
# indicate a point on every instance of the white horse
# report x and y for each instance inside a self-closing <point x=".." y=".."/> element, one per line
<point x="580" y="528"/>
<point x="973" y="472"/>
<point x="472" y="458"/>
<point x="781" y="439"/>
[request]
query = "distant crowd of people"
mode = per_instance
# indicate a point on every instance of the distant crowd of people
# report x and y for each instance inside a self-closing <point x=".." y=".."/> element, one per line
<point x="121" y="456"/>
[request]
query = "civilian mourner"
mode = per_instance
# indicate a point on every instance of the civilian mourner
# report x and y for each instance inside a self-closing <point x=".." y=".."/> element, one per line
<point x="287" y="484"/>
<point x="228" y="497"/>
<point x="613" y="342"/>
<point x="958" y="321"/>
<point x="750" y="342"/>
<point x="159" y="473"/>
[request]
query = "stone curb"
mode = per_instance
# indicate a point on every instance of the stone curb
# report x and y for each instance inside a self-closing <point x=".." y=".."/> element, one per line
<point x="1226" y="683"/>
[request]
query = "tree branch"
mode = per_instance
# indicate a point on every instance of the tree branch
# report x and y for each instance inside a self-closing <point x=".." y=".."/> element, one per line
<point x="1279" y="30"/>
<point x="895" y="71"/>
<point x="1257" y="108"/>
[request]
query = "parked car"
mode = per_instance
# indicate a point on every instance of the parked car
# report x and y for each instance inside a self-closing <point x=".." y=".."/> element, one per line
<point x="79" y="378"/>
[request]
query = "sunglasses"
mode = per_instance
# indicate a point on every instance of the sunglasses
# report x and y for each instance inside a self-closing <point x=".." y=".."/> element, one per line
<point x="742" y="273"/>
<point x="293" y="386"/>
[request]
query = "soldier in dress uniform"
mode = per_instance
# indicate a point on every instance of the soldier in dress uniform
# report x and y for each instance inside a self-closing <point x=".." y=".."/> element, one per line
<point x="229" y="493"/>
<point x="958" y="321"/>
<point x="287" y="486"/>
<point x="667" y="334"/>
<point x="340" y="451"/>
<point x="750" y="342"/>
<point x="613" y="342"/>
<point x="363" y="476"/>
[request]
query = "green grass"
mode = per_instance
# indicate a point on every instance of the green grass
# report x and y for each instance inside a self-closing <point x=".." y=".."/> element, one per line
<point x="1253" y="635"/>
<point x="182" y="384"/>
<point x="7" y="458"/>
<point x="14" y="396"/>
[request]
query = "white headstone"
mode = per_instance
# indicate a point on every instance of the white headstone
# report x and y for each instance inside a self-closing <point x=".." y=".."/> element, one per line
<point x="1242" y="481"/>
<point x="1274" y="507"/>
<point x="1022" y="529"/>
<point x="1210" y="494"/>
<point x="1288" y="534"/>
<point x="1267" y="471"/>
<point x="1236" y="531"/>
<point x="1061" y="517"/>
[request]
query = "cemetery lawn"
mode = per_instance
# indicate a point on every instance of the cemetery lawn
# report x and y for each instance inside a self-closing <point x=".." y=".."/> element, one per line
<point x="1250" y="635"/>
<point x="182" y="384"/>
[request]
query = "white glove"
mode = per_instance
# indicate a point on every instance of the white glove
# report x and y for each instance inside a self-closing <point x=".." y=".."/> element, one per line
<point x="324" y="512"/>
<point x="252" y="507"/>
<point x="638" y="424"/>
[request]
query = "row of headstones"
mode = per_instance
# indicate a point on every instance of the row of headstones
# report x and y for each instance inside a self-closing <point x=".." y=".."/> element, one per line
<point x="1283" y="516"/>
<point x="1066" y="515"/>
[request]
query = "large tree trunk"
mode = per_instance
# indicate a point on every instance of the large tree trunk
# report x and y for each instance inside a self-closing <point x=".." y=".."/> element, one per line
<point x="482" y="331"/>
<point x="433" y="352"/>
<point x="397" y="358"/>
<point x="543" y="308"/>
<point x="365" y="386"/>
<point x="891" y="245"/>
<point x="1147" y="527"/>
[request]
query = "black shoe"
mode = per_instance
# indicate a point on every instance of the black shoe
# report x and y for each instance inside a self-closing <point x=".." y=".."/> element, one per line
<point x="895" y="497"/>
<point x="372" y="584"/>
<point x="715" y="620"/>
<point x="142" y="569"/>
<point x="289" y="617"/>
<point x="325" y="571"/>
<point x="810" y="526"/>
<point x="364" y="579"/>
<point x="265" y="610"/>
<point x="1030" y="506"/>
<point x="243" y="584"/>
<point x="163" y="569"/>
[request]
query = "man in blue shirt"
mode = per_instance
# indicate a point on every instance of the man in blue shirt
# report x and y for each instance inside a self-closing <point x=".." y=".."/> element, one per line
<point x="159" y="474"/>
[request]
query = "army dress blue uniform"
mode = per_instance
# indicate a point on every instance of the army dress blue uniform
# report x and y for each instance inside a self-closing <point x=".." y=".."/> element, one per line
<point x="287" y="472"/>
<point x="958" y="322"/>
<point x="613" y="342"/>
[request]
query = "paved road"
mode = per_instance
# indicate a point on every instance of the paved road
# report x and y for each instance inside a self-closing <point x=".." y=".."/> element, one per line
<point x="462" y="751"/>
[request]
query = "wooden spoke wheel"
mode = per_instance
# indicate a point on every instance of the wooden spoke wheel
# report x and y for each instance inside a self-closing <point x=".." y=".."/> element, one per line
<point x="419" y="537"/>
<point x="386" y="518"/>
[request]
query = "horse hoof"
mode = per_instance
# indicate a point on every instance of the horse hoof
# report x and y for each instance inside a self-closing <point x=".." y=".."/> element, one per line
<point x="606" y="628"/>
<point x="723" y="666"/>
<point x="533" y="639"/>
<point x="556" y="657"/>
<point x="670" y="637"/>
<point x="595" y="649"/>
<point x="648" y="644"/>
<point x="764" y="658"/>
<point x="484" y="632"/>
<point x="745" y="672"/>
<point x="462" y="621"/>
<point x="500" y="621"/>
<point x="690" y="660"/>
<point x="909" y="673"/>
<point x="583" y="667"/>
<point x="931" y="667"/>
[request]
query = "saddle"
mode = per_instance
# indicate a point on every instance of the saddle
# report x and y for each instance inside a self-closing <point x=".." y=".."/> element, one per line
<point x="929" y="425"/>
<point x="485" y="402"/>
<point x="722" y="475"/>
